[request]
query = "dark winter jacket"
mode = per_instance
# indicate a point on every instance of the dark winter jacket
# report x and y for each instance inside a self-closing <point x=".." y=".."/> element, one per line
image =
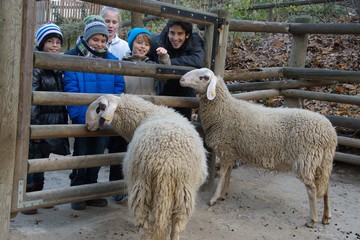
<point x="85" y="82"/>
<point x="191" y="54"/>
<point x="48" y="80"/>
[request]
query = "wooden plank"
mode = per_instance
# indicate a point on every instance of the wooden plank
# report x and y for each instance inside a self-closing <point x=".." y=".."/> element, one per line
<point x="158" y="8"/>
<point x="345" y="122"/>
<point x="61" y="98"/>
<point x="72" y="162"/>
<point x="322" y="74"/>
<point x="65" y="130"/>
<point x="254" y="73"/>
<point x="74" y="194"/>
<point x="25" y="89"/>
<point x="349" y="142"/>
<point x="292" y="3"/>
<point x="96" y="65"/>
<point x="10" y="56"/>
<point x="348" y="99"/>
<point x="347" y="158"/>
<point x="258" y="26"/>
<point x="283" y="84"/>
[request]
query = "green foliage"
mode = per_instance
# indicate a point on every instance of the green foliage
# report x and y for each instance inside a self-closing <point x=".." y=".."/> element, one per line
<point x="71" y="29"/>
<point x="83" y="10"/>
<point x="58" y="18"/>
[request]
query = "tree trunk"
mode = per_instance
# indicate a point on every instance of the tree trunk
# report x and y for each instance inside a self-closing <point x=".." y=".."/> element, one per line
<point x="137" y="20"/>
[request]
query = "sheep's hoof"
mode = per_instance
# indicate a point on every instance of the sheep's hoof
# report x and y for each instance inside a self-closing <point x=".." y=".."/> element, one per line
<point x="310" y="223"/>
<point x="326" y="220"/>
<point x="212" y="202"/>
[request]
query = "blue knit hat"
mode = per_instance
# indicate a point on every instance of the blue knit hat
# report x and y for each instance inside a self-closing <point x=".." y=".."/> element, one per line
<point x="134" y="32"/>
<point x="95" y="25"/>
<point x="45" y="32"/>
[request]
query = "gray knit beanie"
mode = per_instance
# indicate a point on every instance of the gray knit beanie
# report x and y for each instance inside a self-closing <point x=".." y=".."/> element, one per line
<point x="95" y="25"/>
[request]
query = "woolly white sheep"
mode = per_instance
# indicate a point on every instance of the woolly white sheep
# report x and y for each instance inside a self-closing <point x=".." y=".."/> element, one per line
<point x="272" y="138"/>
<point x="165" y="163"/>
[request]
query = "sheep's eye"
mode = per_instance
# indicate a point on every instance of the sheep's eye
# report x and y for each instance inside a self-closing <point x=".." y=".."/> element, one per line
<point x="102" y="106"/>
<point x="97" y="110"/>
<point x="205" y="77"/>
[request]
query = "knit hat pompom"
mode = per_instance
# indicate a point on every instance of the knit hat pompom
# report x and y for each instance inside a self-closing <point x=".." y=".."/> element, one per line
<point x="95" y="25"/>
<point x="133" y="34"/>
<point x="47" y="31"/>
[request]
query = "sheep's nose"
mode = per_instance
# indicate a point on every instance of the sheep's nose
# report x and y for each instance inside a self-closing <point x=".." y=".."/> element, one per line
<point x="101" y="121"/>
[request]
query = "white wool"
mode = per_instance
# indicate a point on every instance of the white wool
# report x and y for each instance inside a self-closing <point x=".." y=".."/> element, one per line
<point x="273" y="138"/>
<point x="165" y="163"/>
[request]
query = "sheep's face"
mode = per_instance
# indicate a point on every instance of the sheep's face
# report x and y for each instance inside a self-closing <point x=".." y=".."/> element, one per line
<point x="100" y="112"/>
<point x="201" y="80"/>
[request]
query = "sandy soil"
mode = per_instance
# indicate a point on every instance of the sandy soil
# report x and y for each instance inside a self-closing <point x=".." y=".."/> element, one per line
<point x="261" y="205"/>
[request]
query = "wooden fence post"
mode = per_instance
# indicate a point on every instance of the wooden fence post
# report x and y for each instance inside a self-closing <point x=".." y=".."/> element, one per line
<point x="10" y="27"/>
<point x="24" y="103"/>
<point x="298" y="57"/>
<point x="219" y="69"/>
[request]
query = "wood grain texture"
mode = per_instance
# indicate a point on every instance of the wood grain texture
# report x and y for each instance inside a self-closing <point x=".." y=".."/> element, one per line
<point x="10" y="27"/>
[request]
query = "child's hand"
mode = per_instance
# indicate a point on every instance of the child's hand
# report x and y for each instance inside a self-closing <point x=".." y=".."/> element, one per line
<point x="160" y="51"/>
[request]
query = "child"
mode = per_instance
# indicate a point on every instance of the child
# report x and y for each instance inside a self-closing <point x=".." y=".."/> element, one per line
<point x="91" y="44"/>
<point x="116" y="45"/>
<point x="48" y="39"/>
<point x="139" y="40"/>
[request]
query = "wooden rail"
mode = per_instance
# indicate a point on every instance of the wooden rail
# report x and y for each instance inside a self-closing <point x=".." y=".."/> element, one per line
<point x="161" y="9"/>
<point x="288" y="4"/>
<point x="294" y="28"/>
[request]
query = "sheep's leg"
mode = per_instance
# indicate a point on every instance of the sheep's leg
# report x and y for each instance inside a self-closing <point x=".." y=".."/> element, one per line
<point x="311" y="190"/>
<point x="175" y="230"/>
<point x="327" y="214"/>
<point x="227" y="183"/>
<point x="217" y="195"/>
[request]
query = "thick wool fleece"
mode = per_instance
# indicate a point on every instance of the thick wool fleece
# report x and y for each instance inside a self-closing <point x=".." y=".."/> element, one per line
<point x="164" y="166"/>
<point x="273" y="138"/>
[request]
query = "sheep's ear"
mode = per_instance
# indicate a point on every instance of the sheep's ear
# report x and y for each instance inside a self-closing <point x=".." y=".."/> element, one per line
<point x="211" y="89"/>
<point x="108" y="114"/>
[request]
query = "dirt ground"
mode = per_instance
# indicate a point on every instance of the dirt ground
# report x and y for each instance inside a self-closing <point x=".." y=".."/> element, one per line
<point x="261" y="205"/>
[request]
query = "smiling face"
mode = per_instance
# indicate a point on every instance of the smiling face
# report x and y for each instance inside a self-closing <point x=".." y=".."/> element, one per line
<point x="112" y="23"/>
<point x="141" y="45"/>
<point x="97" y="42"/>
<point x="177" y="36"/>
<point x="52" y="45"/>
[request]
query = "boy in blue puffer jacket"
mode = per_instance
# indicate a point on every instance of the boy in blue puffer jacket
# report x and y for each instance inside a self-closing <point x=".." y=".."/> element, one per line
<point x="91" y="44"/>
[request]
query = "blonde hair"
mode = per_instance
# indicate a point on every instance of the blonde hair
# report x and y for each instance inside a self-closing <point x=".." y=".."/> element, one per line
<point x="107" y="9"/>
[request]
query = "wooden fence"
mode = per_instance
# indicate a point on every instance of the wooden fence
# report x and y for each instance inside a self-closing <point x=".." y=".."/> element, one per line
<point x="16" y="75"/>
<point x="54" y="10"/>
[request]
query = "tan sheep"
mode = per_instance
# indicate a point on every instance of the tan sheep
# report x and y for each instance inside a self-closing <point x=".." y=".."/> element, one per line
<point x="272" y="138"/>
<point x="165" y="163"/>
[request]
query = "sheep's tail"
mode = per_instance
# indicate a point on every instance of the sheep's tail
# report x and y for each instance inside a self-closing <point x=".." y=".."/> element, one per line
<point x="323" y="172"/>
<point x="172" y="206"/>
<point x="157" y="209"/>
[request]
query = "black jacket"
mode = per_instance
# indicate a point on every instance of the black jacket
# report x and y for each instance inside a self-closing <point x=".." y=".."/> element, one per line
<point x="48" y="80"/>
<point x="191" y="54"/>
